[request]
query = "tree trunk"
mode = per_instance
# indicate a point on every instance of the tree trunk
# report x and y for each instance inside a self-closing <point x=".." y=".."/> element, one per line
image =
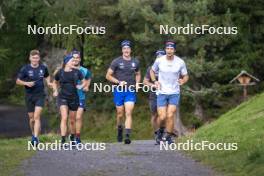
<point x="2" y="18"/>
<point x="178" y="126"/>
<point x="198" y="111"/>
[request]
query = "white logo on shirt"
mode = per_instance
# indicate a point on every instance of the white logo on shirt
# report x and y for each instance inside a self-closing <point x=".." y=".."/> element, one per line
<point x="30" y="73"/>
<point x="121" y="65"/>
<point x="41" y="74"/>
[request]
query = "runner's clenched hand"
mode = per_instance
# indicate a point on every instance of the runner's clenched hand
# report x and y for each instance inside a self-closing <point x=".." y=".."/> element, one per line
<point x="181" y="82"/>
<point x="55" y="93"/>
<point x="122" y="83"/>
<point x="157" y="85"/>
<point x="86" y="89"/>
<point x="29" y="84"/>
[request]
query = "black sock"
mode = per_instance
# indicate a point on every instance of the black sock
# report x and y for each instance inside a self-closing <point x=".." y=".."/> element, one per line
<point x="63" y="139"/>
<point x="119" y="127"/>
<point x="162" y="129"/>
<point x="72" y="136"/>
<point x="128" y="132"/>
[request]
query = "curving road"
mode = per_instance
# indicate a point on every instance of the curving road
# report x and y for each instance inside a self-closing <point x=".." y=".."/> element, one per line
<point x="141" y="158"/>
<point x="14" y="122"/>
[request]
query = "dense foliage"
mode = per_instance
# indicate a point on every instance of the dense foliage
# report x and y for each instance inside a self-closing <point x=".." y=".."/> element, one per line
<point x="213" y="60"/>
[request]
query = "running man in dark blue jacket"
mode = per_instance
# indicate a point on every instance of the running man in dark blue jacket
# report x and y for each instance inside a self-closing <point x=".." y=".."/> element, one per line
<point x="32" y="77"/>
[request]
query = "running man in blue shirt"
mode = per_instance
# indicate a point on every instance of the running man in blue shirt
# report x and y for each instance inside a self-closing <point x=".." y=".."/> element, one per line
<point x="125" y="73"/>
<point x="152" y="96"/>
<point x="77" y="125"/>
<point x="32" y="77"/>
<point x="172" y="74"/>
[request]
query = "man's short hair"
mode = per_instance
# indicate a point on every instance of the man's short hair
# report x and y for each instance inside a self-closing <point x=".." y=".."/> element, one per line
<point x="34" y="52"/>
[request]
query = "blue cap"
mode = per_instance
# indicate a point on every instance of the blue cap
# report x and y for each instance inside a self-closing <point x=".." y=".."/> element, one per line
<point x="67" y="58"/>
<point x="160" y="53"/>
<point x="126" y="43"/>
<point x="170" y="44"/>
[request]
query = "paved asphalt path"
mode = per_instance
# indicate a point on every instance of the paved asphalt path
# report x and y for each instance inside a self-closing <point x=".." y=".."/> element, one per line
<point x="14" y="122"/>
<point x="141" y="158"/>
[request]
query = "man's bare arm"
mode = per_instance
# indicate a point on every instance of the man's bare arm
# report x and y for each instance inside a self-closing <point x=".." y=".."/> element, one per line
<point x="184" y="79"/>
<point x="48" y="80"/>
<point x="24" y="83"/>
<point x="152" y="75"/>
<point x="147" y="82"/>
<point x="109" y="76"/>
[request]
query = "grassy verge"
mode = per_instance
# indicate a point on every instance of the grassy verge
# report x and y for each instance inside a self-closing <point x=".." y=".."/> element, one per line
<point x="243" y="125"/>
<point x="12" y="152"/>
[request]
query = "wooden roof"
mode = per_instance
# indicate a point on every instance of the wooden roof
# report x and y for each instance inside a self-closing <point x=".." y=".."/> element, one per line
<point x="242" y="73"/>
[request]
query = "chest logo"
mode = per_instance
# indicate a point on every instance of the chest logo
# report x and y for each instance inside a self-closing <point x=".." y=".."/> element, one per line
<point x="41" y="73"/>
<point x="30" y="73"/>
<point x="121" y="65"/>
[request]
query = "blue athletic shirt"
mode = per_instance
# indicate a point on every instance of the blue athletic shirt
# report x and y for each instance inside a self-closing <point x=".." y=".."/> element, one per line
<point x="28" y="73"/>
<point x="87" y="75"/>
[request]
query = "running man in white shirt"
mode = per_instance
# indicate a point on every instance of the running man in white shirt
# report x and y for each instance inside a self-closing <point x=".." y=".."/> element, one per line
<point x="172" y="74"/>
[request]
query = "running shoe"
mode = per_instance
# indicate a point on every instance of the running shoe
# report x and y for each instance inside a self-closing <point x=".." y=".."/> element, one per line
<point x="34" y="141"/>
<point x="158" y="136"/>
<point x="32" y="138"/>
<point x="127" y="141"/>
<point x="78" y="140"/>
<point x="72" y="140"/>
<point x="168" y="138"/>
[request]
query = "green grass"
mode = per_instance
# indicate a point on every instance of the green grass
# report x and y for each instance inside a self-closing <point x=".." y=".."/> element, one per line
<point x="104" y="128"/>
<point x="243" y="125"/>
<point x="12" y="152"/>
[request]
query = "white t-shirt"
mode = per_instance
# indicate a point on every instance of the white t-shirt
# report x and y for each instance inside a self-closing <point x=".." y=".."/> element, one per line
<point x="169" y="73"/>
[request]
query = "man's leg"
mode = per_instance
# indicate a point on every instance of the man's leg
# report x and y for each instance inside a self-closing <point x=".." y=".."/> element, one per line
<point x="162" y="109"/>
<point x="154" y="121"/>
<point x="31" y="122"/>
<point x="37" y="121"/>
<point x="119" y="103"/>
<point x="155" y="124"/>
<point x="154" y="114"/>
<point x="119" y="115"/>
<point x="119" y="120"/>
<point x="171" y="111"/>
<point x="30" y="109"/>
<point x="129" y="106"/>
<point x="162" y="112"/>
